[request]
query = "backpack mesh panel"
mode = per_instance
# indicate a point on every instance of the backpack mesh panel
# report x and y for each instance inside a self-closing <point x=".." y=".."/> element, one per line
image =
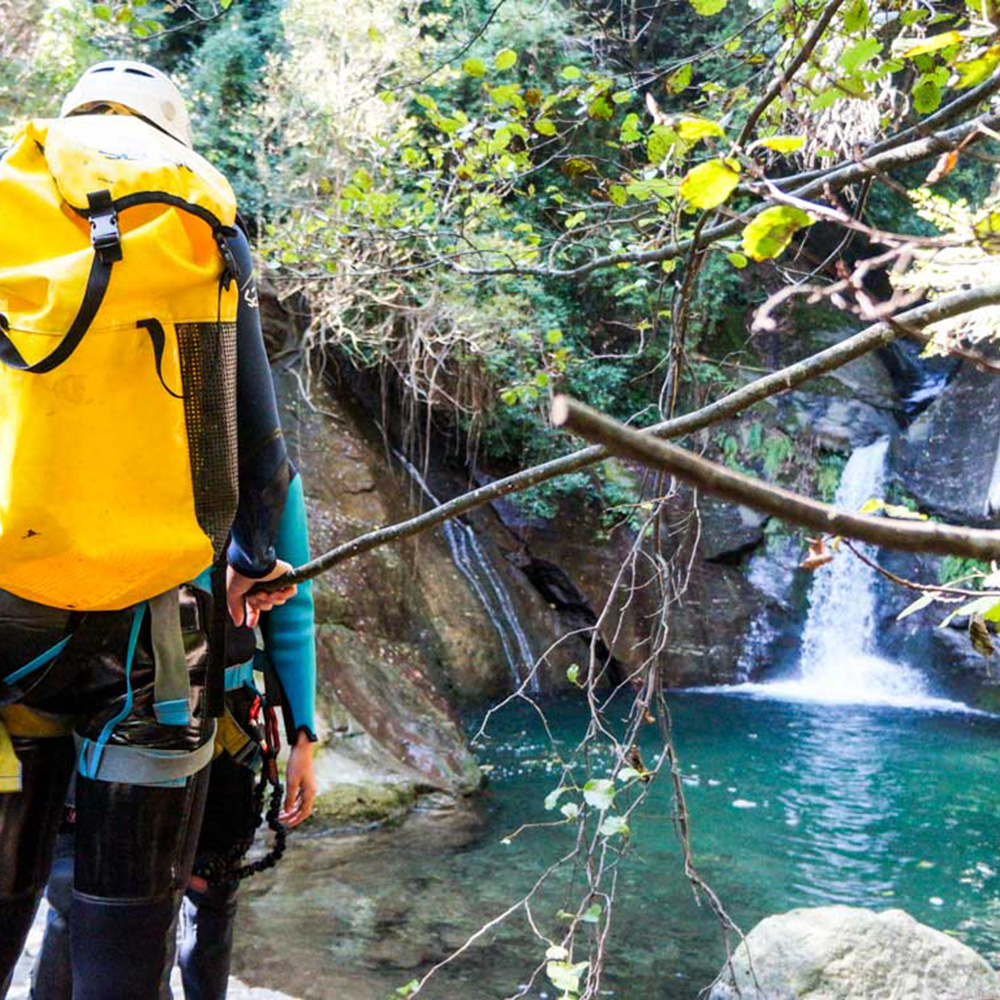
<point x="208" y="372"/>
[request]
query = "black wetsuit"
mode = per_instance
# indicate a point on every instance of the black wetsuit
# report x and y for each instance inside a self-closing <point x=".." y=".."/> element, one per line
<point x="134" y="842"/>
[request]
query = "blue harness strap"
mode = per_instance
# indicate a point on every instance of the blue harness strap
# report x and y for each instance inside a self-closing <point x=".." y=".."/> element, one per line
<point x="90" y="761"/>
<point x="239" y="676"/>
<point x="39" y="661"/>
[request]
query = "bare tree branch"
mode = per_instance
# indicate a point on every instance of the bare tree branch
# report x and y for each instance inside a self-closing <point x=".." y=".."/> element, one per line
<point x="910" y="536"/>
<point x="803" y="54"/>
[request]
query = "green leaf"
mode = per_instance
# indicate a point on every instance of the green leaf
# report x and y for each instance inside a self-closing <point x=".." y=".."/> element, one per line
<point x="974" y="71"/>
<point x="661" y="188"/>
<point x="426" y="101"/>
<point x="554" y="337"/>
<point x="407" y="988"/>
<point x="708" y="7"/>
<point x="858" y="54"/>
<point x="618" y="194"/>
<point x="709" y="184"/>
<point x="622" y="96"/>
<point x="545" y="126"/>
<point x="570" y="810"/>
<point x="927" y="95"/>
<point x="577" y="166"/>
<point x="599" y="793"/>
<point x="856" y="16"/>
<point x="736" y="259"/>
<point x="474" y="67"/>
<point x="678" y="80"/>
<point x="768" y="235"/>
<point x="779" y="143"/>
<point x="592" y="914"/>
<point x="661" y="140"/>
<point x="507" y="94"/>
<point x="600" y="109"/>
<point x="103" y="12"/>
<point x="575" y="219"/>
<point x="505" y="59"/>
<point x="566" y="976"/>
<point x="542" y="379"/>
<point x="570" y="73"/>
<point x="630" y="128"/>
<point x="556" y="953"/>
<point x="612" y="826"/>
<point x="627" y="774"/>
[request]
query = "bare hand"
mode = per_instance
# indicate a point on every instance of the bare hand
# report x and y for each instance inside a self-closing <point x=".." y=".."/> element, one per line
<point x="300" y="779"/>
<point x="244" y="607"/>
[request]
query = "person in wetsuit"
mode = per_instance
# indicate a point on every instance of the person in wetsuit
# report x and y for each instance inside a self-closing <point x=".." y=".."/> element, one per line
<point x="134" y="841"/>
<point x="209" y="908"/>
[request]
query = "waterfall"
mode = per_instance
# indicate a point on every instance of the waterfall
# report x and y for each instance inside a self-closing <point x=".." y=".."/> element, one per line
<point x="839" y="661"/>
<point x="473" y="563"/>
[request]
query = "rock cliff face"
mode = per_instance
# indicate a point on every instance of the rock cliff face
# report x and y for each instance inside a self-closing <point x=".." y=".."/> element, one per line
<point x="948" y="462"/>
<point x="404" y="638"/>
<point x="947" y="458"/>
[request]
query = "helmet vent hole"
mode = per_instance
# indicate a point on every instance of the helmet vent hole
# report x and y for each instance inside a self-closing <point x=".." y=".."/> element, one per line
<point x="139" y="72"/>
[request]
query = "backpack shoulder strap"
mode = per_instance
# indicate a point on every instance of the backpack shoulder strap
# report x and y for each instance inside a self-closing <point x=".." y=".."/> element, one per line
<point x="106" y="240"/>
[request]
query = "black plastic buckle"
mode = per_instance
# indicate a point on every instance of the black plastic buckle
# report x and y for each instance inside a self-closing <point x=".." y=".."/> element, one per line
<point x="229" y="270"/>
<point x="104" y="233"/>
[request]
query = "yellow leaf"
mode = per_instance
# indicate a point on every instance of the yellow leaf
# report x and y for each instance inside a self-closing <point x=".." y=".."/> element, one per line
<point x="691" y="129"/>
<point x="780" y="143"/>
<point x="709" y="184"/>
<point x="771" y="232"/>
<point x="932" y="44"/>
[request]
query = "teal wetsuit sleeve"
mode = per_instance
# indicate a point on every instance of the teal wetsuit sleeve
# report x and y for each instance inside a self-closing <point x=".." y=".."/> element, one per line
<point x="289" y="630"/>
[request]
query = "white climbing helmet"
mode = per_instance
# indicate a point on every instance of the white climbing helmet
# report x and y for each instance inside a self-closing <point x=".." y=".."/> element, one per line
<point x="142" y="89"/>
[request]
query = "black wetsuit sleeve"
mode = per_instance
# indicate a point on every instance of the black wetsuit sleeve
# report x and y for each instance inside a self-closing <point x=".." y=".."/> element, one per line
<point x="263" y="470"/>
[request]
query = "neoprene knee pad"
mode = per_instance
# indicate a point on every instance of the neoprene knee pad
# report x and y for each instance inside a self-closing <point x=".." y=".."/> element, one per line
<point x="136" y="841"/>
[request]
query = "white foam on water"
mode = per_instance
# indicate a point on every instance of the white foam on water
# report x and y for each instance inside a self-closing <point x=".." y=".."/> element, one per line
<point x="839" y="664"/>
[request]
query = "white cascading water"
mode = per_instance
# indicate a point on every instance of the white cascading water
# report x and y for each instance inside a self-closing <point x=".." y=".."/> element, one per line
<point x="473" y="563"/>
<point x="839" y="662"/>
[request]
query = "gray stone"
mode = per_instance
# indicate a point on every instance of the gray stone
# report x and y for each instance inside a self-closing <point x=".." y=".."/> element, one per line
<point x="850" y="953"/>
<point x="947" y="459"/>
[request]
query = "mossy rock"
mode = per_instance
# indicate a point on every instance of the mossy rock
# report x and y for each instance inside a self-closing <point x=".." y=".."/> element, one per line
<point x="365" y="803"/>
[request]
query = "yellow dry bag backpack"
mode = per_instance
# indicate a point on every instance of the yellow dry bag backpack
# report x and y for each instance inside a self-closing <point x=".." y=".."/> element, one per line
<point x="117" y="363"/>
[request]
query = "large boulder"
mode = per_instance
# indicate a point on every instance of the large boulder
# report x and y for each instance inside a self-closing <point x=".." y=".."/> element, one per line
<point x="947" y="459"/>
<point x="850" y="953"/>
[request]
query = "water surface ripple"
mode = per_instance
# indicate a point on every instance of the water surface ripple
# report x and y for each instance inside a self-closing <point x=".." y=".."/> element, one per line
<point x="792" y="803"/>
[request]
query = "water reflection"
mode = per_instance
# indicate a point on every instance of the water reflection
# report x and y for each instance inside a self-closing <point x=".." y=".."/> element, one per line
<point x="836" y="793"/>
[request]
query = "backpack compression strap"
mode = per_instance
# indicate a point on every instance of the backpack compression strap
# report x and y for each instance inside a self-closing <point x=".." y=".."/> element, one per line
<point x="106" y="240"/>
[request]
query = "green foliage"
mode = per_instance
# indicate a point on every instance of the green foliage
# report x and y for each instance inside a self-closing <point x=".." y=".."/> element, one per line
<point x="829" y="469"/>
<point x="953" y="568"/>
